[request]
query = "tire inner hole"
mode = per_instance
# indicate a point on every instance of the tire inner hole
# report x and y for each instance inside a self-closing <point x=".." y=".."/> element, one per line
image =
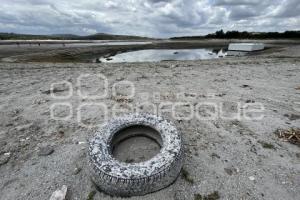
<point x="136" y="144"/>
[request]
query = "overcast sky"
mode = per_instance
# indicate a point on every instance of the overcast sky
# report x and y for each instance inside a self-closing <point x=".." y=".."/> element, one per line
<point x="156" y="18"/>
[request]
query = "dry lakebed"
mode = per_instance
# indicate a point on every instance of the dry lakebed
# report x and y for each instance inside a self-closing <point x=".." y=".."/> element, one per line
<point x="44" y="147"/>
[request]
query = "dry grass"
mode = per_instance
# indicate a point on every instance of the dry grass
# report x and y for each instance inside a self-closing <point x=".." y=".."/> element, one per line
<point x="291" y="135"/>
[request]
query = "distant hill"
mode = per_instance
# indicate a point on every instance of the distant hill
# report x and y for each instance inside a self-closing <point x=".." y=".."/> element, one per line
<point x="14" y="36"/>
<point x="65" y="36"/>
<point x="103" y="36"/>
<point x="98" y="36"/>
<point x="244" y="35"/>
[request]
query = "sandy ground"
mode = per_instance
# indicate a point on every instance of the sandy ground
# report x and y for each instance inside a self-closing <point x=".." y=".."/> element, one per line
<point x="239" y="159"/>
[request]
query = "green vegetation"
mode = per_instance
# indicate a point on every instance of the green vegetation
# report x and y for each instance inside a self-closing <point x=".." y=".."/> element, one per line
<point x="246" y="35"/>
<point x="213" y="196"/>
<point x="266" y="145"/>
<point x="186" y="176"/>
<point x="91" y="195"/>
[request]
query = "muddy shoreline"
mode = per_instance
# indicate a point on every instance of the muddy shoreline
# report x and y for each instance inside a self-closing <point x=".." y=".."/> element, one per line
<point x="86" y="54"/>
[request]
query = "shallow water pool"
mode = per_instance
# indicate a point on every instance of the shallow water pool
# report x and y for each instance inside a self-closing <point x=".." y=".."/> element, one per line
<point x="152" y="55"/>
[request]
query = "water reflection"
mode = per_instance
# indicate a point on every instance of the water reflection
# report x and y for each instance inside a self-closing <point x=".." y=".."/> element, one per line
<point x="153" y="55"/>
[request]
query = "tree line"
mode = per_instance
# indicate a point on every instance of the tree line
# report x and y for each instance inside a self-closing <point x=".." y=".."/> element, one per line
<point x="246" y="35"/>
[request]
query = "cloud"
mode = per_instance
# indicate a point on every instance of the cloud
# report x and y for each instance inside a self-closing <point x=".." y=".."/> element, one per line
<point x="242" y="12"/>
<point x="236" y="2"/>
<point x="290" y="8"/>
<point x="156" y="18"/>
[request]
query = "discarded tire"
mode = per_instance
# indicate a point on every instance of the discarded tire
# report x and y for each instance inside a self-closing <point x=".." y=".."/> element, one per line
<point x="132" y="179"/>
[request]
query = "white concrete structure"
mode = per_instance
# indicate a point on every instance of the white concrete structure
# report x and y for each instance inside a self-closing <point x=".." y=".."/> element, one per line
<point x="246" y="46"/>
<point x="237" y="53"/>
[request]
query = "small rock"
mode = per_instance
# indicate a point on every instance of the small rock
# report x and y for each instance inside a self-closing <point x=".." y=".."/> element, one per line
<point x="292" y="117"/>
<point x="81" y="143"/>
<point x="59" y="194"/>
<point x="245" y="86"/>
<point x="45" y="151"/>
<point x="9" y="124"/>
<point x="251" y="178"/>
<point x="61" y="134"/>
<point x="120" y="79"/>
<point x="4" y="158"/>
<point x="230" y="171"/>
<point x="7" y="154"/>
<point x="216" y="124"/>
<point x="250" y="101"/>
<point x="3" y="143"/>
<point x="214" y="155"/>
<point x="253" y="149"/>
<point x="77" y="170"/>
